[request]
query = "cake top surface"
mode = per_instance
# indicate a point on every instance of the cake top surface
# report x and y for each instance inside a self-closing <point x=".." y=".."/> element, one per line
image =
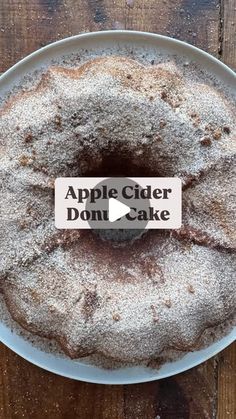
<point x="110" y="116"/>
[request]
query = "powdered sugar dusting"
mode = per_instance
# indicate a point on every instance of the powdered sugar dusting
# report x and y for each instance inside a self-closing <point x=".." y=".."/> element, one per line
<point x="162" y="293"/>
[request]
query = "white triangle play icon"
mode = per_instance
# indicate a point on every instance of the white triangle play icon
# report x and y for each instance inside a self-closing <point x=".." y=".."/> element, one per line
<point x="117" y="209"/>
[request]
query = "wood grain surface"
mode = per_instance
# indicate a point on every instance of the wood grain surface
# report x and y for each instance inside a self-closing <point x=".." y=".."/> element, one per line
<point x="207" y="391"/>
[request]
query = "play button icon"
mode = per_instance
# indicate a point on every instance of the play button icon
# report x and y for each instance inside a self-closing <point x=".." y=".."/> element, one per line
<point x="117" y="209"/>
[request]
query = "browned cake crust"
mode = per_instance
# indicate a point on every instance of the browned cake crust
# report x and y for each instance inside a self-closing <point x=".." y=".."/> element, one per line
<point x="115" y="116"/>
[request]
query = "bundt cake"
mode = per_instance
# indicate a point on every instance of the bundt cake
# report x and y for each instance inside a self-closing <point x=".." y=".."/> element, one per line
<point x="115" y="116"/>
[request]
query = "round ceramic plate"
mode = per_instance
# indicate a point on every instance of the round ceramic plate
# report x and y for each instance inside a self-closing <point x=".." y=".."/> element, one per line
<point x="107" y="40"/>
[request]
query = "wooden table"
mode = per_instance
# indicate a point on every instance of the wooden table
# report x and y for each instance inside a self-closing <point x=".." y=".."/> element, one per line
<point x="208" y="391"/>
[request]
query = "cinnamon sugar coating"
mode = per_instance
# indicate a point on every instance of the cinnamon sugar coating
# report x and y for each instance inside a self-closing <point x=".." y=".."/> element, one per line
<point x="117" y="116"/>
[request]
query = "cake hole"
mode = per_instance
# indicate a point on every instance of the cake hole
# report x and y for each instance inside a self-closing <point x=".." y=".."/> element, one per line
<point x="119" y="236"/>
<point x="118" y="164"/>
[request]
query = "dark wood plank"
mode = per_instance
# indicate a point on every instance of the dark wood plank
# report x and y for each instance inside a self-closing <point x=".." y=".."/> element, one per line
<point x="227" y="359"/>
<point x="27" y="391"/>
<point x="27" y="25"/>
<point x="228" y="32"/>
<point x="227" y="383"/>
<point x="188" y="395"/>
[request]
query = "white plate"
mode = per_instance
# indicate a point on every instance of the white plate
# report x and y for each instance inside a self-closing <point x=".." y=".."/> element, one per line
<point x="76" y="369"/>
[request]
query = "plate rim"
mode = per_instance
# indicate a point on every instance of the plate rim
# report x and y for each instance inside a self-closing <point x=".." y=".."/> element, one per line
<point x="217" y="346"/>
<point x="207" y="352"/>
<point x="105" y="33"/>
